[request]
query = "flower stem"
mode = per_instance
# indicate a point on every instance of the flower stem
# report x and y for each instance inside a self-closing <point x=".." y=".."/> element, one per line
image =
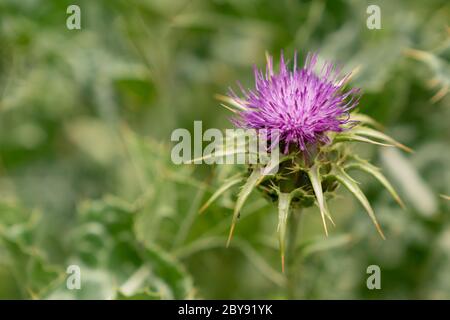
<point x="291" y="272"/>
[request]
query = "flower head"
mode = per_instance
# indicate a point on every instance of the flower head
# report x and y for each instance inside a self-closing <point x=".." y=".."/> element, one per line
<point x="301" y="104"/>
<point x="305" y="109"/>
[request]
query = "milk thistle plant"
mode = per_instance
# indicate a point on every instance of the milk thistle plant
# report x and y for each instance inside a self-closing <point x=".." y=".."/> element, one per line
<point x="314" y="113"/>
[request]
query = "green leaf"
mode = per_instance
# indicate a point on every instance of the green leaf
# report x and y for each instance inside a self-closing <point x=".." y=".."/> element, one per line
<point x="21" y="253"/>
<point x="145" y="294"/>
<point x="110" y="253"/>
<point x="220" y="191"/>
<point x="348" y="182"/>
<point x="253" y="180"/>
<point x="252" y="255"/>
<point x="259" y="262"/>
<point x="171" y="271"/>
<point x="314" y="176"/>
<point x="94" y="138"/>
<point x="31" y="269"/>
<point x="318" y="245"/>
<point x="374" y="171"/>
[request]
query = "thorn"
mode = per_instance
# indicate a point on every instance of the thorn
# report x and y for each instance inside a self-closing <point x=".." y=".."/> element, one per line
<point x="227" y="107"/>
<point x="416" y="54"/>
<point x="380" y="231"/>
<point x="356" y="70"/>
<point x="404" y="148"/>
<point x="267" y="55"/>
<point x="329" y="215"/>
<point x="202" y="209"/>
<point x="400" y="203"/>
<point x="433" y="82"/>
<point x="331" y="220"/>
<point x="230" y="234"/>
<point x="325" y="225"/>
<point x="282" y="262"/>
<point x="440" y="94"/>
<point x="221" y="97"/>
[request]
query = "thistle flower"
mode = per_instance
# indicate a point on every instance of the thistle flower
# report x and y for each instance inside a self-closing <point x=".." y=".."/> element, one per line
<point x="312" y="113"/>
<point x="302" y="105"/>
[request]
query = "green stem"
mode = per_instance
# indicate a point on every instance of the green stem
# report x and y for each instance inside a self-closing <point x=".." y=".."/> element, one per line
<point x="291" y="272"/>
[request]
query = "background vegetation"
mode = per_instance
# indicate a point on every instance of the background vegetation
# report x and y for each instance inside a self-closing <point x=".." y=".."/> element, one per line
<point x="85" y="171"/>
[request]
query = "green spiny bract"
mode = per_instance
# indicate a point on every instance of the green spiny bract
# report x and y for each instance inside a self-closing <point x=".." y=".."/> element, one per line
<point x="307" y="179"/>
<point x="313" y="112"/>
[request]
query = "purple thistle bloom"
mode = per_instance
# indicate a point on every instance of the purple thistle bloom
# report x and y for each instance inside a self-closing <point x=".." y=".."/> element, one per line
<point x="301" y="104"/>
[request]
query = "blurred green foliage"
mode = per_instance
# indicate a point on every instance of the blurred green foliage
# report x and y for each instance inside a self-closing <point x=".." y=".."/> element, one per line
<point x="85" y="171"/>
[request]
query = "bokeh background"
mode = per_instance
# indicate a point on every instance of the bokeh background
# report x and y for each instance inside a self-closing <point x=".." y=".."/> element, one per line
<point x="85" y="171"/>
